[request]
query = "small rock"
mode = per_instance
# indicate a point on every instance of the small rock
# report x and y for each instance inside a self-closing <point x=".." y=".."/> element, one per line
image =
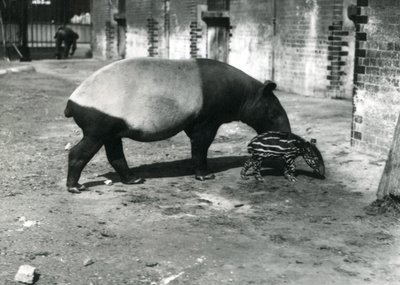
<point x="278" y="238"/>
<point x="105" y="233"/>
<point x="68" y="146"/>
<point x="88" y="261"/>
<point x="108" y="182"/>
<point x="200" y="259"/>
<point x="26" y="274"/>
<point x="346" y="272"/>
<point x="22" y="219"/>
<point x="151" y="264"/>
<point x="28" y="223"/>
<point x="239" y="205"/>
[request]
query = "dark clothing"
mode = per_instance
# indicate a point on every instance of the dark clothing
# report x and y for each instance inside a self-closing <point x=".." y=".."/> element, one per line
<point x="68" y="37"/>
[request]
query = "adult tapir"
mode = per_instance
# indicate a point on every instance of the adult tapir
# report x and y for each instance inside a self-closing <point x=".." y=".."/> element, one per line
<point x="151" y="99"/>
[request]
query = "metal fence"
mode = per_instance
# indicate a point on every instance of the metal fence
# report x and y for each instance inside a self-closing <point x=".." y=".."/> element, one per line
<point x="39" y="20"/>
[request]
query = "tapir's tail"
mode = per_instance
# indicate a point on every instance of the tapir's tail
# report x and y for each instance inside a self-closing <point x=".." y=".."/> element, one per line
<point x="68" y="110"/>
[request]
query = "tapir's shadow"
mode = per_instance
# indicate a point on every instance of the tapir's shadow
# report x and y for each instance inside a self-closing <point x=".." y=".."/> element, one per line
<point x="184" y="167"/>
<point x="178" y="168"/>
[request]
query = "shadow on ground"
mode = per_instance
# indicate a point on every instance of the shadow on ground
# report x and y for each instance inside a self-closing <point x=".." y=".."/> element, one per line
<point x="183" y="167"/>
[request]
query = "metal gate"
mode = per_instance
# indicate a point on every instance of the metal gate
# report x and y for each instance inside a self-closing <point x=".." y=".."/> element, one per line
<point x="27" y="27"/>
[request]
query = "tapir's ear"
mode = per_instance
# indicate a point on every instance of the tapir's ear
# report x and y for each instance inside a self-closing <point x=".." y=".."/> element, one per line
<point x="270" y="85"/>
<point x="313" y="141"/>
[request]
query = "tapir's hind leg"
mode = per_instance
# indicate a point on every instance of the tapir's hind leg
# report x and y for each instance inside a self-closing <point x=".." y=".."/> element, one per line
<point x="78" y="157"/>
<point x="116" y="157"/>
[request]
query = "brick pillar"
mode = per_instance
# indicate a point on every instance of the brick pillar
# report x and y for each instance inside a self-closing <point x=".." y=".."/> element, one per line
<point x="336" y="55"/>
<point x="195" y="35"/>
<point x="153" y="33"/>
<point x="196" y="29"/>
<point x="359" y="66"/>
<point x="110" y="40"/>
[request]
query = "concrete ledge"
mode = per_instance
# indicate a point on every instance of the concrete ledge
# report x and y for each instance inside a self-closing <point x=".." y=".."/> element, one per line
<point x="215" y="15"/>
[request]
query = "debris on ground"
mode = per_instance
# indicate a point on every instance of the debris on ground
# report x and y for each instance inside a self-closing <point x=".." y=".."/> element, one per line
<point x="27" y="223"/>
<point x="88" y="261"/>
<point x="167" y="280"/>
<point x="26" y="274"/>
<point x="68" y="146"/>
<point x="389" y="205"/>
<point x="108" y="182"/>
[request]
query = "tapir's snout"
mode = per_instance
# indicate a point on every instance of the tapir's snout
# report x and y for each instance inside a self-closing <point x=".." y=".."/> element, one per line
<point x="320" y="171"/>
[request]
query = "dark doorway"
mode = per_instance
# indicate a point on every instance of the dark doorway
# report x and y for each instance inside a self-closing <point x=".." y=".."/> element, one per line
<point x="218" y="39"/>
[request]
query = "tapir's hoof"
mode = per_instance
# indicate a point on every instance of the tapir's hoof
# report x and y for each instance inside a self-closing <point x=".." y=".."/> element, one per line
<point x="291" y="179"/>
<point x="77" y="189"/>
<point x="205" y="177"/>
<point x="260" y="179"/>
<point x="133" y="180"/>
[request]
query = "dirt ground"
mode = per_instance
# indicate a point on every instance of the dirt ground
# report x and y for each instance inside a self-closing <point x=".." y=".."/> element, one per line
<point x="173" y="229"/>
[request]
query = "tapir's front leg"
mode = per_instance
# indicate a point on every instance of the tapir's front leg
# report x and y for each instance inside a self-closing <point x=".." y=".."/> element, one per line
<point x="116" y="157"/>
<point x="201" y="136"/>
<point x="289" y="169"/>
<point x="257" y="169"/>
<point x="78" y="157"/>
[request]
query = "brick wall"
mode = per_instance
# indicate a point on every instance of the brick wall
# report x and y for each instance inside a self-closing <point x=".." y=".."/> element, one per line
<point x="251" y="40"/>
<point x="183" y="22"/>
<point x="310" y="51"/>
<point x="377" y="96"/>
<point x="168" y="29"/>
<point x="137" y="14"/>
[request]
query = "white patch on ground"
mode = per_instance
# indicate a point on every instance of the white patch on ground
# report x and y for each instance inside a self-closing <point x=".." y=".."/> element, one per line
<point x="220" y="203"/>
<point x="167" y="280"/>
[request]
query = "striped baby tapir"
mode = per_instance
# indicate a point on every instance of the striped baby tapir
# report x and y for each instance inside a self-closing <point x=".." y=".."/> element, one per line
<point x="282" y="145"/>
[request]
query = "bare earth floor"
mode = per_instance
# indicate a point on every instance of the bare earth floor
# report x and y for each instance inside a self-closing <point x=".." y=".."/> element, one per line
<point x="174" y="229"/>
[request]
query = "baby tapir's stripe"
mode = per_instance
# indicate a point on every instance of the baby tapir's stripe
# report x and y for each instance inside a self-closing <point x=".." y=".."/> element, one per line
<point x="275" y="145"/>
<point x="287" y="146"/>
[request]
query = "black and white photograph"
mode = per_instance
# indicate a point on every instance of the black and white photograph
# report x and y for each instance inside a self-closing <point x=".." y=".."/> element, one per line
<point x="199" y="142"/>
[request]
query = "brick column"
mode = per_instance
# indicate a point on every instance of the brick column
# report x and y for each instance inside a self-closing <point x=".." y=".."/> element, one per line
<point x="359" y="66"/>
<point x="336" y="42"/>
<point x="153" y="34"/>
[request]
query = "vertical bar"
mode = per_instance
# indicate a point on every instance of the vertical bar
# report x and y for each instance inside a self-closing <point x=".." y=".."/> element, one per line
<point x="41" y="26"/>
<point x="36" y="38"/>
<point x="32" y="33"/>
<point x="167" y="25"/>
<point x="24" y="32"/>
<point x="273" y="48"/>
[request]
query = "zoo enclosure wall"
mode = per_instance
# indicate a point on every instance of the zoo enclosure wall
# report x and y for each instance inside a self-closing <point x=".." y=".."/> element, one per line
<point x="308" y="47"/>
